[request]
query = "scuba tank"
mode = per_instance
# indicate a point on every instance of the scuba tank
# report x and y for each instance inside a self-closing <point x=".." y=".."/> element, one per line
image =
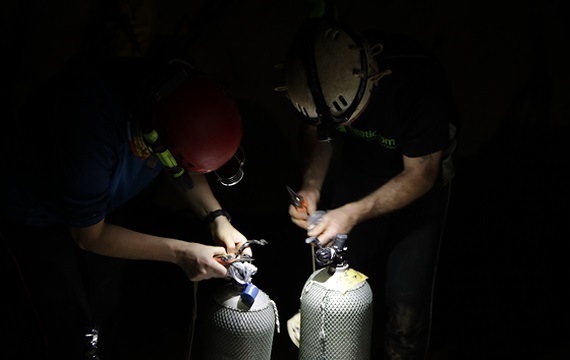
<point x="240" y="319"/>
<point x="336" y="308"/>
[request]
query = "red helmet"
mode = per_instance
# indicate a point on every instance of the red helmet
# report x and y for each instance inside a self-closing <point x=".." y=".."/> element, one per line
<point x="200" y="125"/>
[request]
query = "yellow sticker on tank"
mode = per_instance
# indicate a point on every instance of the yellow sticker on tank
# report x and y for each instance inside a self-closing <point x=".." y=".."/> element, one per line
<point x="341" y="281"/>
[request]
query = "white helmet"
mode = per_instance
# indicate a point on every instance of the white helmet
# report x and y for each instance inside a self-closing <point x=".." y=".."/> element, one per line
<point x="330" y="73"/>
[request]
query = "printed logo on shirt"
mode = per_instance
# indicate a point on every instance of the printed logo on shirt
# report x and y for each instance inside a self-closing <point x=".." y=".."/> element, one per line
<point x="368" y="135"/>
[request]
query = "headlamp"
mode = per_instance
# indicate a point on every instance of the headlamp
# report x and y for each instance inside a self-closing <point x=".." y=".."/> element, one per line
<point x="231" y="172"/>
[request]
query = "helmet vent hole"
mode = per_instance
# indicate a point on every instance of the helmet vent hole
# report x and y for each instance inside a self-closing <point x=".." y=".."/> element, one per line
<point x="340" y="103"/>
<point x="343" y="100"/>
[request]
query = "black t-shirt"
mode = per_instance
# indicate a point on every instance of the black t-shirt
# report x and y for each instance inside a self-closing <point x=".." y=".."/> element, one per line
<point x="409" y="113"/>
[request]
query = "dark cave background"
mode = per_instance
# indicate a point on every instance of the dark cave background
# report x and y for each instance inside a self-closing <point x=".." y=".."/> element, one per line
<point x="501" y="291"/>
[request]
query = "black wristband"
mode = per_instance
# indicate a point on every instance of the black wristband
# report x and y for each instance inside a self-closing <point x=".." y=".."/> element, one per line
<point x="214" y="214"/>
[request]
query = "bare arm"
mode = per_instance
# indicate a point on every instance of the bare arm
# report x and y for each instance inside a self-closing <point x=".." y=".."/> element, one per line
<point x="195" y="259"/>
<point x="200" y="198"/>
<point x="202" y="201"/>
<point x="316" y="168"/>
<point x="417" y="177"/>
<point x="111" y="240"/>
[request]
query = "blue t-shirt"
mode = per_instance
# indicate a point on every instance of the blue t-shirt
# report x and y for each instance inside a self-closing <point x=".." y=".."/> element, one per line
<point x="82" y="166"/>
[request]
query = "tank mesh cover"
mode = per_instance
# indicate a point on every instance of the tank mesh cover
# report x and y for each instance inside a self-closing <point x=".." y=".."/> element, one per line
<point x="231" y="331"/>
<point x="336" y="321"/>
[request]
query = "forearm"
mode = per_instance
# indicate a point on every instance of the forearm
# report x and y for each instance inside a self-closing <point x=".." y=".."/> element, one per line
<point x="417" y="177"/>
<point x="116" y="241"/>
<point x="196" y="260"/>
<point x="200" y="198"/>
<point x="396" y="194"/>
<point x="202" y="201"/>
<point x="316" y="167"/>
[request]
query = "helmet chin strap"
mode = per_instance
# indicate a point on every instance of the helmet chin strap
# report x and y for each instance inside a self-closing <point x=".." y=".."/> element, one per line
<point x="324" y="131"/>
<point x="373" y="79"/>
<point x="326" y="120"/>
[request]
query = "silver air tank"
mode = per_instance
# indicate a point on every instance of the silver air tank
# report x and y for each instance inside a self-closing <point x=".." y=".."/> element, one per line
<point x="239" y="321"/>
<point x="336" y="308"/>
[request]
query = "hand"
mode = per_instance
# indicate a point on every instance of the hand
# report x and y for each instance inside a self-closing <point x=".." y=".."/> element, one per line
<point x="299" y="216"/>
<point x="198" y="263"/>
<point x="337" y="221"/>
<point x="225" y="234"/>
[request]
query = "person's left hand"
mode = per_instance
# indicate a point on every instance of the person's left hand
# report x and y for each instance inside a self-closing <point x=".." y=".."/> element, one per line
<point x="335" y="221"/>
<point x="224" y="233"/>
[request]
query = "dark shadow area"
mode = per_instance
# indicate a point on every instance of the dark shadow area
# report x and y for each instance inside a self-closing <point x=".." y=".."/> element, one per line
<point x="503" y="271"/>
<point x="499" y="292"/>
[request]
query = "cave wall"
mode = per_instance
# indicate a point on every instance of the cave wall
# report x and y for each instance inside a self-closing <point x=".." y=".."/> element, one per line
<point x="505" y="61"/>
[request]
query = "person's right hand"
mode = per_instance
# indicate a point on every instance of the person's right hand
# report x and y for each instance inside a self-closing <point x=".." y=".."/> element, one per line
<point x="198" y="263"/>
<point x="300" y="216"/>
